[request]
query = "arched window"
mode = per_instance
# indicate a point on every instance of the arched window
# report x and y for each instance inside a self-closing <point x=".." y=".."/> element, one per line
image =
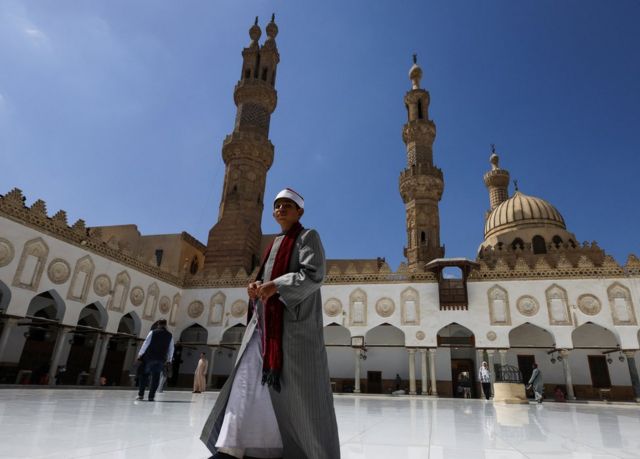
<point x="571" y="243"/>
<point x="193" y="269"/>
<point x="539" y="246"/>
<point x="419" y="109"/>
<point x="273" y="78"/>
<point x="264" y="74"/>
<point x="423" y="237"/>
<point x="247" y="73"/>
<point x="408" y="112"/>
<point x="517" y="244"/>
<point x="557" y="241"/>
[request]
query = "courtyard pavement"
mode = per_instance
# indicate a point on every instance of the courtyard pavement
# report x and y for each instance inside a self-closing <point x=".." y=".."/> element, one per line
<point x="65" y="424"/>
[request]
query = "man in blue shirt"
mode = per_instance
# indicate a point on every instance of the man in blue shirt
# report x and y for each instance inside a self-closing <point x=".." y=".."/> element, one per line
<point x="156" y="350"/>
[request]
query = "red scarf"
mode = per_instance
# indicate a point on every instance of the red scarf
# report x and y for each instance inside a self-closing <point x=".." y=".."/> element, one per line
<point x="274" y="310"/>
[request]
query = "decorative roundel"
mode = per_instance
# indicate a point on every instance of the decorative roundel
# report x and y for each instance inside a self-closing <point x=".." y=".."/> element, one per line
<point x="58" y="271"/>
<point x="102" y="285"/>
<point x="195" y="309"/>
<point x="332" y="307"/>
<point x="420" y="335"/>
<point x="589" y="304"/>
<point x="165" y="304"/>
<point x="491" y="336"/>
<point x="527" y="306"/>
<point x="136" y="296"/>
<point x="239" y="308"/>
<point x="6" y="252"/>
<point x="385" y="307"/>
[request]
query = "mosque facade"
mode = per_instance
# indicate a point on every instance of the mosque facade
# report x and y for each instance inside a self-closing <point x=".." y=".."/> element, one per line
<point x="77" y="301"/>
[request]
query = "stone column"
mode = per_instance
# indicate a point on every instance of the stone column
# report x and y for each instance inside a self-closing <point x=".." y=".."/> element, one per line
<point x="212" y="355"/>
<point x="633" y="372"/>
<point x="490" y="354"/>
<point x="432" y="371"/>
<point x="101" y="358"/>
<point x="9" y="325"/>
<point x="567" y="374"/>
<point x="412" y="371"/>
<point x="423" y="370"/>
<point x="61" y="341"/>
<point x="356" y="382"/>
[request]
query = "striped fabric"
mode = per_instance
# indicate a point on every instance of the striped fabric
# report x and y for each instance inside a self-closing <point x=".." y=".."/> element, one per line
<point x="304" y="407"/>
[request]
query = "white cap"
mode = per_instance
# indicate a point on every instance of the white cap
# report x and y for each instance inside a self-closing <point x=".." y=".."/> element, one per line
<point x="288" y="193"/>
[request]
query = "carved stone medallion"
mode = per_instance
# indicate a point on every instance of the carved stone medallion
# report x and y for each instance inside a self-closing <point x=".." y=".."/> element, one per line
<point x="589" y="304"/>
<point x="102" y="285"/>
<point x="58" y="271"/>
<point x="239" y="308"/>
<point x="385" y="307"/>
<point x="165" y="305"/>
<point x="332" y="307"/>
<point x="420" y="335"/>
<point x="136" y="296"/>
<point x="6" y="252"/>
<point x="195" y="309"/>
<point x="527" y="306"/>
<point x="491" y="336"/>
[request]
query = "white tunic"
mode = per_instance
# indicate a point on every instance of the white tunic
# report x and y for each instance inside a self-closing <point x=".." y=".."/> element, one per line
<point x="250" y="426"/>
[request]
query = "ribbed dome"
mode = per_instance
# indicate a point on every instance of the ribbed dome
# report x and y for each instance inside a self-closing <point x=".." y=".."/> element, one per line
<point x="520" y="211"/>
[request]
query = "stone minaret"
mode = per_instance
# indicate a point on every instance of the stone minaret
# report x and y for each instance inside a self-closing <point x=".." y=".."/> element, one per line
<point x="234" y="241"/>
<point x="497" y="182"/>
<point x="421" y="183"/>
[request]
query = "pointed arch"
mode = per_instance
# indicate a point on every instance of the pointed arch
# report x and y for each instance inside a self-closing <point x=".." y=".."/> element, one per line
<point x="456" y="335"/>
<point x="558" y="306"/>
<point x="81" y="279"/>
<point x="595" y="336"/>
<point x="358" y="307"/>
<point x="153" y="294"/>
<point x="47" y="304"/>
<point x="120" y="293"/>
<point x="621" y="304"/>
<point x="194" y="334"/>
<point x="94" y="315"/>
<point x="130" y="324"/>
<point x="216" y="308"/>
<point x="385" y="335"/>
<point x="410" y="306"/>
<point x="530" y="335"/>
<point x="499" y="311"/>
<point x="233" y="335"/>
<point x="336" y="334"/>
<point x="31" y="264"/>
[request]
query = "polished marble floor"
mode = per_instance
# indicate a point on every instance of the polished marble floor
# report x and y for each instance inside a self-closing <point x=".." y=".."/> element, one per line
<point x="67" y="424"/>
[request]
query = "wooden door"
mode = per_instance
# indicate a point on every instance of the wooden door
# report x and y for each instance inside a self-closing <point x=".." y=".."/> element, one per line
<point x="374" y="382"/>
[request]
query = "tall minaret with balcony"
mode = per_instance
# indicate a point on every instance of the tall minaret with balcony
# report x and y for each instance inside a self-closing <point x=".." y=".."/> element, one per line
<point x="421" y="183"/>
<point x="496" y="181"/>
<point x="234" y="241"/>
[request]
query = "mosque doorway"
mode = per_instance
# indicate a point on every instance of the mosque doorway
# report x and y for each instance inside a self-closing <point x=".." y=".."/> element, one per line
<point x="84" y="345"/>
<point x="598" y="349"/>
<point x="385" y="356"/>
<point x="121" y="351"/>
<point x="40" y="327"/>
<point x="460" y="342"/>
<point x="193" y="341"/>
<point x="340" y="355"/>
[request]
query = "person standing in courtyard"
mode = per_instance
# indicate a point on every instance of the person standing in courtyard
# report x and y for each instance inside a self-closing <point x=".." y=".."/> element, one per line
<point x="535" y="383"/>
<point x="484" y="375"/>
<point x="200" y="376"/>
<point x="277" y="401"/>
<point x="156" y="351"/>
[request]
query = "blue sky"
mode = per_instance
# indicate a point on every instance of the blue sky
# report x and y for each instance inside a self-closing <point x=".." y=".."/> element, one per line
<point x="116" y="111"/>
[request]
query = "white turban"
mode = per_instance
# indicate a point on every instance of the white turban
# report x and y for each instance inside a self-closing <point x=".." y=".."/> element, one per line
<point x="288" y="193"/>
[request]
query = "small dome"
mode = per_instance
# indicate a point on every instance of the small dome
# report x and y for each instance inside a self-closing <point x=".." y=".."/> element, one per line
<point x="415" y="73"/>
<point x="272" y="28"/>
<point x="521" y="211"/>
<point x="254" y="31"/>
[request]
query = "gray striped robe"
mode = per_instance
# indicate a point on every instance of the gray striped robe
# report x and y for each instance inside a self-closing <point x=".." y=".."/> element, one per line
<point x="304" y="406"/>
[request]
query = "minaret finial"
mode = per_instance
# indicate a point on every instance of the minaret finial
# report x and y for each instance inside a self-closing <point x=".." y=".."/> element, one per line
<point x="256" y="21"/>
<point x="273" y="17"/>
<point x="415" y="73"/>
<point x="515" y="185"/>
<point x="493" y="148"/>
<point x="415" y="58"/>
